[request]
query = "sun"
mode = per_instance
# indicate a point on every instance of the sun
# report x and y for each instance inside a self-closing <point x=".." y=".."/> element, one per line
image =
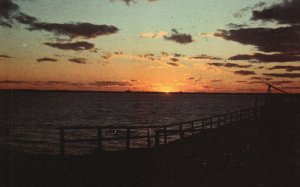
<point x="166" y="89"/>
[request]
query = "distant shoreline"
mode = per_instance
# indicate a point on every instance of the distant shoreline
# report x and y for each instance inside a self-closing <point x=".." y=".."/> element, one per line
<point x="124" y="92"/>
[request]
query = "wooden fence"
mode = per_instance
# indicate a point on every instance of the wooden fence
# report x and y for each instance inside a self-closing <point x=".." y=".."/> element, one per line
<point x="156" y="134"/>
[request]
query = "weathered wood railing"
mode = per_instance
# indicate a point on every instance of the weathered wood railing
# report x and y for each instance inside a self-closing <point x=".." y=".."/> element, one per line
<point x="149" y="133"/>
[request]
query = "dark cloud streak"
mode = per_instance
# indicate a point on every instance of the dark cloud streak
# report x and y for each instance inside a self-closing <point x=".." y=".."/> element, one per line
<point x="73" y="30"/>
<point x="5" y="56"/>
<point x="283" y="75"/>
<point x="244" y="72"/>
<point x="204" y="56"/>
<point x="78" y="60"/>
<point x="46" y="59"/>
<point x="287" y="12"/>
<point x="77" y="46"/>
<point x="180" y="38"/>
<point x="229" y="65"/>
<point x="287" y="68"/>
<point x="110" y="83"/>
<point x="260" y="57"/>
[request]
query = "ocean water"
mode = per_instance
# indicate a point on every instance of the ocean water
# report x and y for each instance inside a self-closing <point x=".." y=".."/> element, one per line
<point x="30" y="120"/>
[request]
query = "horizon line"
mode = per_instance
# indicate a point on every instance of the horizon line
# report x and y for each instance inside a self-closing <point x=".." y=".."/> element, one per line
<point x="130" y="91"/>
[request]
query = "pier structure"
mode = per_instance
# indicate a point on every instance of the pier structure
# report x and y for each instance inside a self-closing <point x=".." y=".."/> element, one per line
<point x="133" y="137"/>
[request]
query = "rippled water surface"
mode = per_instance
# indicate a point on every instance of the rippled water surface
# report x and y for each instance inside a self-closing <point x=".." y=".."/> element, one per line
<point x="34" y="117"/>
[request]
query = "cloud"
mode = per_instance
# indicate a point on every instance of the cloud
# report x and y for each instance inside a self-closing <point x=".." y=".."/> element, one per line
<point x="282" y="82"/>
<point x="5" y="24"/>
<point x="128" y="2"/>
<point x="256" y="82"/>
<point x="180" y="38"/>
<point x="9" y="12"/>
<point x="41" y="83"/>
<point x="72" y="46"/>
<point x="46" y="59"/>
<point x="241" y="13"/>
<point x="110" y="83"/>
<point x="282" y="39"/>
<point x="216" y="81"/>
<point x="78" y="60"/>
<point x="157" y="35"/>
<point x="172" y="64"/>
<point x="5" y="56"/>
<point x="229" y="65"/>
<point x="287" y="68"/>
<point x="236" y="26"/>
<point x="174" y="59"/>
<point x="73" y="30"/>
<point x="260" y="57"/>
<point x="12" y="82"/>
<point x="25" y="19"/>
<point x="178" y="55"/>
<point x="216" y="64"/>
<point x="261" y="78"/>
<point x="204" y="56"/>
<point x="291" y="87"/>
<point x="106" y="56"/>
<point x="283" y="75"/>
<point x="233" y="65"/>
<point x="244" y="72"/>
<point x="164" y="54"/>
<point x="288" y="12"/>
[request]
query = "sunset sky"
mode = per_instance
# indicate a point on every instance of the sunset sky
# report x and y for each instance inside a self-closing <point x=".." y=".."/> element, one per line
<point x="150" y="45"/>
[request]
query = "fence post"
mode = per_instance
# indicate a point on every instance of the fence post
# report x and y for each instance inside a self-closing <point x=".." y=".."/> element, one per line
<point x="181" y="132"/>
<point x="219" y="121"/>
<point x="192" y="127"/>
<point x="99" y="138"/>
<point x="165" y="135"/>
<point x="148" y="138"/>
<point x="241" y="115"/>
<point x="62" y="141"/>
<point x="157" y="138"/>
<point x="231" y="118"/>
<point x="211" y="122"/>
<point x="128" y="139"/>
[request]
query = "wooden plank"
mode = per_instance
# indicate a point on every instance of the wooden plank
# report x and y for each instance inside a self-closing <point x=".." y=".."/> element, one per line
<point x="148" y="139"/>
<point x="128" y="139"/>
<point x="100" y="138"/>
<point x="181" y="132"/>
<point x="82" y="140"/>
<point x="192" y="127"/>
<point x="157" y="132"/>
<point x="165" y="135"/>
<point x="62" y="141"/>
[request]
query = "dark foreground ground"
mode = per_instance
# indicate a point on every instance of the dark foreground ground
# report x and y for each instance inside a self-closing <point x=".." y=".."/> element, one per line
<point x="263" y="152"/>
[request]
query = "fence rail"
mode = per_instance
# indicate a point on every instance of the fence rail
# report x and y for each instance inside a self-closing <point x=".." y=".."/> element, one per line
<point x="149" y="134"/>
